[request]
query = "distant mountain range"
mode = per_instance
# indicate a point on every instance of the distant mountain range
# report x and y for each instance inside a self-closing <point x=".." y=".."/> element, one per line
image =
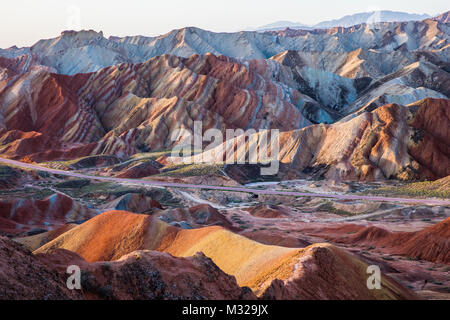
<point x="280" y="25"/>
<point x="347" y="21"/>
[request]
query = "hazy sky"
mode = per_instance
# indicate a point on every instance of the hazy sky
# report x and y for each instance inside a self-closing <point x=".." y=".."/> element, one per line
<point x="23" y="22"/>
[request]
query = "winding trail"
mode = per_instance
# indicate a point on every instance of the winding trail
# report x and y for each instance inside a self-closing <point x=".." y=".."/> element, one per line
<point x="233" y="189"/>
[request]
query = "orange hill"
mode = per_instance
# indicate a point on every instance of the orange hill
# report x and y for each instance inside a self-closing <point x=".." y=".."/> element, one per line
<point x="114" y="234"/>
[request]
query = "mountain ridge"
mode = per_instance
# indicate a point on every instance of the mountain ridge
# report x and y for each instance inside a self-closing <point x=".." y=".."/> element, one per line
<point x="346" y="21"/>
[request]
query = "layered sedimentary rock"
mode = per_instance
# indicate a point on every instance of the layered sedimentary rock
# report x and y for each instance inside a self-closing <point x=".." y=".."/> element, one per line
<point x="391" y="142"/>
<point x="126" y="108"/>
<point x="129" y="104"/>
<point x="22" y="215"/>
<point x="263" y="268"/>
<point x="431" y="243"/>
<point x="323" y="264"/>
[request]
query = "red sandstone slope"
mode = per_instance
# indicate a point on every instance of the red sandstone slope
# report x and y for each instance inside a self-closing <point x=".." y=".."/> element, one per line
<point x="121" y="109"/>
<point x="264" y="211"/>
<point x="22" y="215"/>
<point x="270" y="271"/>
<point x="24" y="276"/>
<point x="393" y="141"/>
<point x="431" y="244"/>
<point x="323" y="267"/>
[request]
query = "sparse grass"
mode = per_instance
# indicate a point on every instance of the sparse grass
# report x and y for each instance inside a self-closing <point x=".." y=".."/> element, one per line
<point x="191" y="170"/>
<point x="7" y="172"/>
<point x="27" y="193"/>
<point x="150" y="155"/>
<point x="61" y="165"/>
<point x="425" y="189"/>
<point x="153" y="155"/>
<point x="94" y="190"/>
<point x="329" y="207"/>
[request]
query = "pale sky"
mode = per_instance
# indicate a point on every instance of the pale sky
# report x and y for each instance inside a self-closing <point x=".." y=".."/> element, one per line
<point x="23" y="22"/>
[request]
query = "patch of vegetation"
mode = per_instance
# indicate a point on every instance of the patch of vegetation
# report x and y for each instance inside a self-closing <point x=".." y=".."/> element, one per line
<point x="73" y="183"/>
<point x="27" y="193"/>
<point x="329" y="207"/>
<point x="7" y="172"/>
<point x="83" y="162"/>
<point x="425" y="189"/>
<point x="153" y="155"/>
<point x="107" y="189"/>
<point x="60" y="165"/>
<point x="192" y="170"/>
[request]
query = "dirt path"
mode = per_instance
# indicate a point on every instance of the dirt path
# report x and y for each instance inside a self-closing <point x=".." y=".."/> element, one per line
<point x="234" y="189"/>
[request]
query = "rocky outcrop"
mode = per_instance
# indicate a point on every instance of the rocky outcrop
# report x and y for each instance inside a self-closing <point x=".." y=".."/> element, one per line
<point x="140" y="275"/>
<point x="366" y="79"/>
<point x="150" y="275"/>
<point x="391" y="142"/>
<point x="195" y="217"/>
<point x="134" y="202"/>
<point x="24" y="276"/>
